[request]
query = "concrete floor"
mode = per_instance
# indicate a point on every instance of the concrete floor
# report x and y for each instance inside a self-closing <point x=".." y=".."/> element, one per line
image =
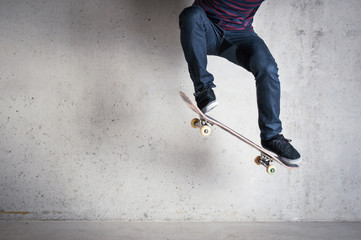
<point x="173" y="231"/>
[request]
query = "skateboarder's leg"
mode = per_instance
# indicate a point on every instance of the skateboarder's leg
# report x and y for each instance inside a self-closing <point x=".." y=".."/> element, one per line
<point x="248" y="50"/>
<point x="199" y="37"/>
<point x="265" y="70"/>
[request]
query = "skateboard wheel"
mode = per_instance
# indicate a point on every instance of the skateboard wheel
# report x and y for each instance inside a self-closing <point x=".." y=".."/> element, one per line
<point x="195" y="122"/>
<point x="271" y="169"/>
<point x="205" y="130"/>
<point x="257" y="160"/>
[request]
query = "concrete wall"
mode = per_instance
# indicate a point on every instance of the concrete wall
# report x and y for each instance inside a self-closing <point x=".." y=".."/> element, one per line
<point x="92" y="126"/>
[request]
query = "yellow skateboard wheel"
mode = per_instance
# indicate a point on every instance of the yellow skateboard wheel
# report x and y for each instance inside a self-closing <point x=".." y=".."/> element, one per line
<point x="271" y="169"/>
<point x="195" y="122"/>
<point x="257" y="160"/>
<point x="205" y="130"/>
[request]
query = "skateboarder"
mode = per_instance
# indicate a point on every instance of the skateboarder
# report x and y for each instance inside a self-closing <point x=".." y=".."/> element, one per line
<point x="224" y="28"/>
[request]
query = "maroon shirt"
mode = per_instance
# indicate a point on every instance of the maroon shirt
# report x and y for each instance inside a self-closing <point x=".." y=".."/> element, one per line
<point x="231" y="14"/>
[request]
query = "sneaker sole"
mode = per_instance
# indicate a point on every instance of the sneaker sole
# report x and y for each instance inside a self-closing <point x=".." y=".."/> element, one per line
<point x="209" y="107"/>
<point x="289" y="161"/>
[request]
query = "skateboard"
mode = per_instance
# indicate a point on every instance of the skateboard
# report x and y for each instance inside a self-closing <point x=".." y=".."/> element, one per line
<point x="204" y="123"/>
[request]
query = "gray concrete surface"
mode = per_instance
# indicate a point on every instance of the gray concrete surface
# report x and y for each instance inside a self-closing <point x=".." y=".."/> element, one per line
<point x="92" y="127"/>
<point x="178" y="231"/>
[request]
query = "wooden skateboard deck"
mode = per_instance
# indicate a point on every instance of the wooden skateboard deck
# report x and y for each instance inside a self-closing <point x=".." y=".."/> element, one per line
<point x="204" y="122"/>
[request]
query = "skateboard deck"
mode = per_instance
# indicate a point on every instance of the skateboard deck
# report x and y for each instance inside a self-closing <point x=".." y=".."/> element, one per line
<point x="204" y="122"/>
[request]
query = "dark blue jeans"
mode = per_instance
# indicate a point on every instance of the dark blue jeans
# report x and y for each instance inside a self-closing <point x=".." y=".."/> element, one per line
<point x="201" y="37"/>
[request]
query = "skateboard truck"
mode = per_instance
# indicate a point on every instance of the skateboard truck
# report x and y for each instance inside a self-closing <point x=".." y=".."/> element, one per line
<point x="203" y="125"/>
<point x="266" y="162"/>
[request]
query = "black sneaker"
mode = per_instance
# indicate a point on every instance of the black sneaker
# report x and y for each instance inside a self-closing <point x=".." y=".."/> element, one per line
<point x="206" y="100"/>
<point x="282" y="147"/>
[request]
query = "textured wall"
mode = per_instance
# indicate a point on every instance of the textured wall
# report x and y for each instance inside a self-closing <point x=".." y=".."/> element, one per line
<point x="92" y="126"/>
